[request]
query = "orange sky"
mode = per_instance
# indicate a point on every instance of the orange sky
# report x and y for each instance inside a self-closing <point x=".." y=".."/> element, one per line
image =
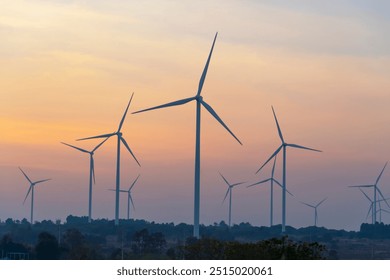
<point x="68" y="70"/>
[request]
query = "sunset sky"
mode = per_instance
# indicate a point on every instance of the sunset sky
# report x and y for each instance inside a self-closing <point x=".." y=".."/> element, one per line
<point x="68" y="69"/>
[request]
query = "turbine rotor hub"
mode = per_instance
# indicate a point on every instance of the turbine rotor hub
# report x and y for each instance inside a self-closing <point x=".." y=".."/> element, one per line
<point x="199" y="98"/>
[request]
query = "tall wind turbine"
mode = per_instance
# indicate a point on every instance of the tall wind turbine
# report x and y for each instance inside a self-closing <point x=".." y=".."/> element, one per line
<point x="199" y="102"/>
<point x="91" y="172"/>
<point x="376" y="189"/>
<point x="315" y="209"/>
<point x="31" y="189"/>
<point x="229" y="192"/>
<point x="272" y="180"/>
<point x="283" y="146"/>
<point x="129" y="198"/>
<point x="118" y="133"/>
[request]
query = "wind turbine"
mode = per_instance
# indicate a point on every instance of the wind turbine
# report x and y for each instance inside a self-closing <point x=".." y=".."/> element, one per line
<point x="199" y="102"/>
<point x="272" y="180"/>
<point x="91" y="172"/>
<point x="376" y="189"/>
<point x="229" y="192"/>
<point x="129" y="198"/>
<point x="31" y="189"/>
<point x="283" y="146"/>
<point x="315" y="209"/>
<point x="371" y="207"/>
<point x="118" y="133"/>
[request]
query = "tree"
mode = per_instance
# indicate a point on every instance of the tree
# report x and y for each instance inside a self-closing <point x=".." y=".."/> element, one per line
<point x="47" y="247"/>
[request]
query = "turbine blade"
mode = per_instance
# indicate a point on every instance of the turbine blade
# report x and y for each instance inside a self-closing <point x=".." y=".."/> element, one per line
<point x="369" y="210"/>
<point x="273" y="167"/>
<point x="135" y="181"/>
<point x="302" y="147"/>
<point x="41" y="181"/>
<point x="308" y="204"/>
<point x="365" y="195"/>
<point x="203" y="77"/>
<point x="277" y="124"/>
<point x="227" y="192"/>
<point x="319" y="203"/>
<point x="98" y="136"/>
<point x="128" y="148"/>
<point x="224" y="179"/>
<point x="174" y="103"/>
<point x="362" y="186"/>
<point x="124" y="115"/>
<point x="212" y="112"/>
<point x="277" y="182"/>
<point x="101" y="143"/>
<point x="132" y="202"/>
<point x="74" y="147"/>
<point x="280" y="185"/>
<point x="237" y="184"/>
<point x="289" y="192"/>
<point x="377" y="180"/>
<point x="382" y="196"/>
<point x="25" y="175"/>
<point x="114" y="190"/>
<point x="274" y="154"/>
<point x="258" y="183"/>
<point x="28" y="192"/>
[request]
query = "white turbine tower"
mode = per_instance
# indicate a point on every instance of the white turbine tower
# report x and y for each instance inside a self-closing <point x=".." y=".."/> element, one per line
<point x="31" y="189"/>
<point x="376" y="189"/>
<point x="91" y="172"/>
<point x="199" y="102"/>
<point x="129" y="198"/>
<point x="229" y="192"/>
<point x="315" y="209"/>
<point x="283" y="146"/>
<point x="272" y="180"/>
<point x="118" y="133"/>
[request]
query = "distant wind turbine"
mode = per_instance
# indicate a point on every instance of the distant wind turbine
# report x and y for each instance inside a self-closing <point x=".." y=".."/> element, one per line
<point x="283" y="146"/>
<point x="199" y="102"/>
<point x="315" y="209"/>
<point x="118" y="133"/>
<point x="376" y="189"/>
<point x="370" y="209"/>
<point x="91" y="172"/>
<point x="31" y="189"/>
<point x="229" y="192"/>
<point x="129" y="198"/>
<point x="272" y="180"/>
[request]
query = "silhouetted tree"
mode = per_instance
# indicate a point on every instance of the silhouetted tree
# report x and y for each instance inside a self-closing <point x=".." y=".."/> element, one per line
<point x="47" y="247"/>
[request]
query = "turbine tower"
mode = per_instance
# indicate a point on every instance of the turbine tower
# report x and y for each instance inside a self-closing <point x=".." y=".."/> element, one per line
<point x="120" y="139"/>
<point x="91" y="172"/>
<point x="129" y="198"/>
<point x="272" y="180"/>
<point x="199" y="102"/>
<point x="31" y="189"/>
<point x="315" y="209"/>
<point x="376" y="189"/>
<point x="229" y="192"/>
<point x="283" y="146"/>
